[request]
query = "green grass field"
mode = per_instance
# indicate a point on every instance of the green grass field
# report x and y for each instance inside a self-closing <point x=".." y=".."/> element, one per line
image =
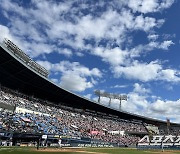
<point x="24" y="150"/>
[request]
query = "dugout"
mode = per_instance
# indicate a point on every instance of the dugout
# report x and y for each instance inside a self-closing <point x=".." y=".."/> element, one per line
<point x="52" y="140"/>
<point x="24" y="139"/>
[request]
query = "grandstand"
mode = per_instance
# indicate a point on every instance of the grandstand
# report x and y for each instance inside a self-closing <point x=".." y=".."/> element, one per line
<point x="35" y="110"/>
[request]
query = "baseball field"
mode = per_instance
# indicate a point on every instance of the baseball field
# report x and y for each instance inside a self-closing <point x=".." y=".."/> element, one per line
<point x="25" y="150"/>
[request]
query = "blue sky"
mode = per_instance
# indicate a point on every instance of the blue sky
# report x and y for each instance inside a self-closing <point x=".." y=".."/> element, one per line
<point x="127" y="47"/>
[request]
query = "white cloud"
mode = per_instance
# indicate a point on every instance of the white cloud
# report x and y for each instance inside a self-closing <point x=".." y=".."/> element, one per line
<point x="140" y="89"/>
<point x="153" y="37"/>
<point x="170" y="75"/>
<point x="119" y="86"/>
<point x="140" y="71"/>
<point x="137" y="51"/>
<point x="46" y="23"/>
<point x="137" y="100"/>
<point x="75" y="82"/>
<point x="5" y="33"/>
<point x="165" y="109"/>
<point x="79" y="54"/>
<point x="113" y="56"/>
<point x="169" y="107"/>
<point x="143" y="6"/>
<point x="42" y="29"/>
<point x="35" y="49"/>
<point x="74" y="76"/>
<point x="163" y="45"/>
<point x="88" y="96"/>
<point x="146" y="6"/>
<point x="66" y="66"/>
<point x="66" y="52"/>
<point x="138" y="103"/>
<point x="14" y="7"/>
<point x="166" y="44"/>
<point x="54" y="80"/>
<point x="147" y="72"/>
<point x="146" y="23"/>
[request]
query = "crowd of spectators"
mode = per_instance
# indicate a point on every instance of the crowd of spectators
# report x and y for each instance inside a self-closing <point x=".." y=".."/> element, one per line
<point x="62" y="121"/>
<point x="171" y="130"/>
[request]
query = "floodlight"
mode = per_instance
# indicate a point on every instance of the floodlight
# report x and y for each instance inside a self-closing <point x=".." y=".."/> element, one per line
<point x="105" y="94"/>
<point x="97" y="92"/>
<point x="123" y="97"/>
<point x="24" y="58"/>
<point x="116" y="96"/>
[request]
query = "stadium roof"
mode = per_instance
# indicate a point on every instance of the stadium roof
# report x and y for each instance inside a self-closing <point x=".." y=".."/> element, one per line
<point x="18" y="76"/>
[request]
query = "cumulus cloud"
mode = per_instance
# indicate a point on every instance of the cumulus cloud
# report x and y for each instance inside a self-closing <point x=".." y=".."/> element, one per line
<point x="169" y="75"/>
<point x="152" y="37"/>
<point x="136" y="103"/>
<point x="47" y="22"/>
<point x="140" y="89"/>
<point x="47" y="26"/>
<point x="75" y="82"/>
<point x="146" y="23"/>
<point x="152" y="45"/>
<point x="165" y="109"/>
<point x="74" y="76"/>
<point x="166" y="44"/>
<point x="5" y="33"/>
<point x="119" y="86"/>
<point x="163" y="45"/>
<point x="141" y="71"/>
<point x="113" y="56"/>
<point x="146" y="6"/>
<point x="66" y="52"/>
<point x="147" y="72"/>
<point x="140" y="102"/>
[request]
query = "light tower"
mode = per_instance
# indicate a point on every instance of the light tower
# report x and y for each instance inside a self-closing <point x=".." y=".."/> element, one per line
<point x="98" y="93"/>
<point x="122" y="97"/>
<point x="110" y="96"/>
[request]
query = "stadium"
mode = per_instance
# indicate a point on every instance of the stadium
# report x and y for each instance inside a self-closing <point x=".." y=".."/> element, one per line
<point x="37" y="113"/>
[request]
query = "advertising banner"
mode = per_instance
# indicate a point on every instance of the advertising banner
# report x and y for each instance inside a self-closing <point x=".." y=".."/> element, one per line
<point x="159" y="142"/>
